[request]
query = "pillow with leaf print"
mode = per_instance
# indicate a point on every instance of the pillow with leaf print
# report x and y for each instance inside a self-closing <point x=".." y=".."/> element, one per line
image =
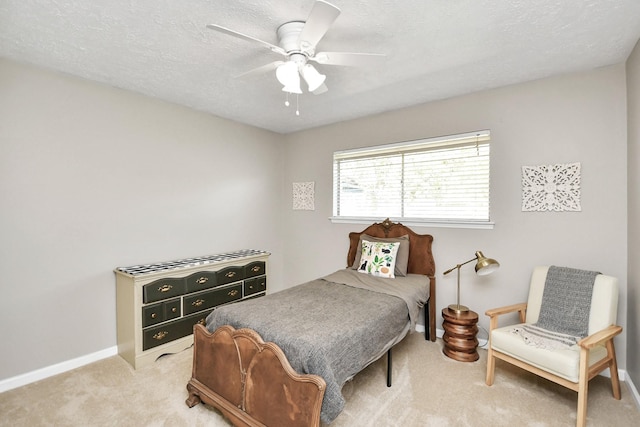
<point x="378" y="258"/>
<point x="402" y="259"/>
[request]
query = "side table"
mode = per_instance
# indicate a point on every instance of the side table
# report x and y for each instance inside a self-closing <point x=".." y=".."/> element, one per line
<point x="460" y="329"/>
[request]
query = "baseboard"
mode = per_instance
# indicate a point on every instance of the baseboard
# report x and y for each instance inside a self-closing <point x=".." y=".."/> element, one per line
<point x="632" y="388"/>
<point x="421" y="328"/>
<point x="49" y="371"/>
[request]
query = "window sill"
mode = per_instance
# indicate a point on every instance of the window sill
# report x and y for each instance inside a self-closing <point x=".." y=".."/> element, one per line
<point x="413" y="222"/>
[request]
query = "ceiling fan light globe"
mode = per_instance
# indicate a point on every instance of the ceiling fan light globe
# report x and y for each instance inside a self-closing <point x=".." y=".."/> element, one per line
<point x="292" y="89"/>
<point x="313" y="78"/>
<point x="287" y="73"/>
<point x="322" y="89"/>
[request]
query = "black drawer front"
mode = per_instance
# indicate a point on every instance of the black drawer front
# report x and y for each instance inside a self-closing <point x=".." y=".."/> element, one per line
<point x="256" y="268"/>
<point x="152" y="314"/>
<point x="168" y="332"/>
<point x="229" y="275"/>
<point x="204" y="300"/>
<point x="156" y="313"/>
<point x="163" y="289"/>
<point x="201" y="281"/>
<point x="171" y="309"/>
<point x="253" y="286"/>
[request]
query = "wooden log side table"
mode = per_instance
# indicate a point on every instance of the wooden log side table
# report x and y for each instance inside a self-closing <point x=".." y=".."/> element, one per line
<point x="460" y="329"/>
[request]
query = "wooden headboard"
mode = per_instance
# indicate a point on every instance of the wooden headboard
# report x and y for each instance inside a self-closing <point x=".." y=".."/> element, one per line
<point x="420" y="257"/>
<point x="420" y="261"/>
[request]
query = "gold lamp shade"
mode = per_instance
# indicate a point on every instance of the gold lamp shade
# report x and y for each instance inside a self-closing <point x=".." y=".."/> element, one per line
<point x="483" y="267"/>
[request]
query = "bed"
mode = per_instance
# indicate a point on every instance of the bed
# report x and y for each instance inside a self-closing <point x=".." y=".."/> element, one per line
<point x="282" y="359"/>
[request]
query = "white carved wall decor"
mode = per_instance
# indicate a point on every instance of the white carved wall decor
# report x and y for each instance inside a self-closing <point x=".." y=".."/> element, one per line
<point x="551" y="188"/>
<point x="303" y="196"/>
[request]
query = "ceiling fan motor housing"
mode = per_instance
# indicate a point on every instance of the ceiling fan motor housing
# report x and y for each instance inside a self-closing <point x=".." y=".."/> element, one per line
<point x="289" y="38"/>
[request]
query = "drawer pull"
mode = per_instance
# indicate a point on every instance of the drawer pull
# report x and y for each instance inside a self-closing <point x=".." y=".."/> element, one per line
<point x="174" y="309"/>
<point x="154" y="315"/>
<point x="160" y="335"/>
<point x="165" y="288"/>
<point x="197" y="303"/>
<point x="230" y="274"/>
<point x="255" y="269"/>
<point x="202" y="322"/>
<point x="202" y="280"/>
<point x="232" y="292"/>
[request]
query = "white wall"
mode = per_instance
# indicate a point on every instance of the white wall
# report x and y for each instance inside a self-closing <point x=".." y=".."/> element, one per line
<point x="564" y="119"/>
<point x="633" y="318"/>
<point x="92" y="178"/>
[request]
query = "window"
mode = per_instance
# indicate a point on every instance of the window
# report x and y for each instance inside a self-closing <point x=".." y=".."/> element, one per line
<point x="437" y="180"/>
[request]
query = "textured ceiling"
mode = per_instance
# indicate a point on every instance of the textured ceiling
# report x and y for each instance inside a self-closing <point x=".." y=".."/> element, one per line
<point x="434" y="49"/>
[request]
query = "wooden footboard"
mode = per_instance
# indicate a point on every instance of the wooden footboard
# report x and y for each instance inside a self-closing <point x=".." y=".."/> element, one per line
<point x="251" y="382"/>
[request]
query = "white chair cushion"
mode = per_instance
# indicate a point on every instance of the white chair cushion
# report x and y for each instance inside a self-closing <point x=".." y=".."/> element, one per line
<point x="562" y="362"/>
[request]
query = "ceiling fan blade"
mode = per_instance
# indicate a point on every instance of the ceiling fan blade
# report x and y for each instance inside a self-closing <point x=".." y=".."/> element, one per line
<point x="260" y="70"/>
<point x="321" y="89"/>
<point x="268" y="45"/>
<point x="348" y="59"/>
<point x="322" y="15"/>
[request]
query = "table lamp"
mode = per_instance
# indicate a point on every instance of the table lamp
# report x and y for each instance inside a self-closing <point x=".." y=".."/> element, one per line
<point x="484" y="266"/>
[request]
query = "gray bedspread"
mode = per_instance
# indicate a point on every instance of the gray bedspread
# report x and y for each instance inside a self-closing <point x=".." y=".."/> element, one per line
<point x="332" y="327"/>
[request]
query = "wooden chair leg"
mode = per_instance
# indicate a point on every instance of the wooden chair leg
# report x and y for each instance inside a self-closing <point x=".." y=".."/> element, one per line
<point x="613" y="370"/>
<point x="491" y="367"/>
<point x="583" y="388"/>
<point x="582" y="404"/>
<point x="491" y="360"/>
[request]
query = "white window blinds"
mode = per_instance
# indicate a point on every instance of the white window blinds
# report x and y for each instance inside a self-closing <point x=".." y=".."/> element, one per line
<point x="437" y="179"/>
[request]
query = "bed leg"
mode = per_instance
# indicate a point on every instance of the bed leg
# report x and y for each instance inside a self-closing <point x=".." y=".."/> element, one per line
<point x="427" y="329"/>
<point x="389" y="368"/>
<point x="193" y="398"/>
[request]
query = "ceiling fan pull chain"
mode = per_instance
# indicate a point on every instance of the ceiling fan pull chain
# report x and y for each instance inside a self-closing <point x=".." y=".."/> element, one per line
<point x="297" y="109"/>
<point x="287" y="101"/>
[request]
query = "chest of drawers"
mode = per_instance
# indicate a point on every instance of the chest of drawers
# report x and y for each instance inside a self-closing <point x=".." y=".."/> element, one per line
<point x="157" y="305"/>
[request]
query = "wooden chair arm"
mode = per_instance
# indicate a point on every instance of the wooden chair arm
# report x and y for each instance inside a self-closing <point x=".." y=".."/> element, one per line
<point x="599" y="337"/>
<point x="495" y="312"/>
<point x="522" y="307"/>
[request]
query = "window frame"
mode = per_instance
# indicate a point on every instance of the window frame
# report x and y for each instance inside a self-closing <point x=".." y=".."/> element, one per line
<point x="406" y="147"/>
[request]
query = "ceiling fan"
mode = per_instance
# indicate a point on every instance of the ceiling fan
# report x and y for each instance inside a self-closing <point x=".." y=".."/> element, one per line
<point x="297" y="41"/>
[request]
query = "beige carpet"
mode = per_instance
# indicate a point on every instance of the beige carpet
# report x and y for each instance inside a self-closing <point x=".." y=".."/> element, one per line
<point x="428" y="389"/>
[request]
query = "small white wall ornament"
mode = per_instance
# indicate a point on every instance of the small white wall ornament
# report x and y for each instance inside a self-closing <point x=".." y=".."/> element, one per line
<point x="303" y="196"/>
<point x="551" y="188"/>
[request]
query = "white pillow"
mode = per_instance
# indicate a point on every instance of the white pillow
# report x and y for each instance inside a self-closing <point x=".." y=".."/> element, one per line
<point x="402" y="259"/>
<point x="378" y="258"/>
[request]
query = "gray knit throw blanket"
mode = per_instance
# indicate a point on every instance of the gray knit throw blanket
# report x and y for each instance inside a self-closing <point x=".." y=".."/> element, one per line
<point x="564" y="313"/>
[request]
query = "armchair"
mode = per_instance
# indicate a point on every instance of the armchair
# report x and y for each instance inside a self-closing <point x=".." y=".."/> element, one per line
<point x="570" y="366"/>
